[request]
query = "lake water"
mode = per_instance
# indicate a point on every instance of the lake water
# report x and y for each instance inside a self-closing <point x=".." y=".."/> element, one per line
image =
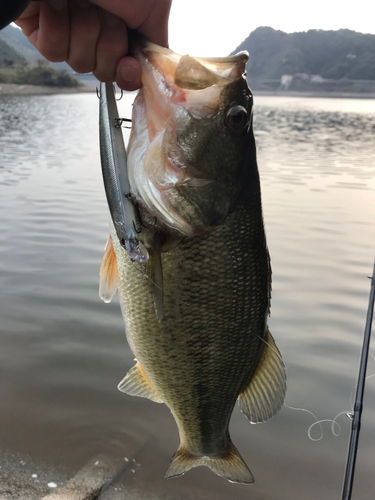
<point x="63" y="351"/>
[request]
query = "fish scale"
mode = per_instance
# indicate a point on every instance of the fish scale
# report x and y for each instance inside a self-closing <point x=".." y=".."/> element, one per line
<point x="225" y="319"/>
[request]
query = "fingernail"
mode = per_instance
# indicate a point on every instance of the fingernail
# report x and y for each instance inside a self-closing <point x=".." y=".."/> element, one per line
<point x="57" y="5"/>
<point x="128" y="74"/>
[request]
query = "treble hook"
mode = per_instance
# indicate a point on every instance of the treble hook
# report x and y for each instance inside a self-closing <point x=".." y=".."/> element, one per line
<point x="138" y="231"/>
<point x="142" y="222"/>
<point x="97" y="93"/>
<point x="117" y="122"/>
<point x="122" y="93"/>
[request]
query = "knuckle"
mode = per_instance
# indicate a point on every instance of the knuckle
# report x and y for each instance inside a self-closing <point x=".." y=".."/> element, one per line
<point x="54" y="56"/>
<point x="81" y="66"/>
<point x="54" y="52"/>
<point x="105" y="75"/>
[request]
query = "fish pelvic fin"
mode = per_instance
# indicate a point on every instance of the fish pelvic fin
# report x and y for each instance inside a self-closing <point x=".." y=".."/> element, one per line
<point x="265" y="394"/>
<point x="228" y="465"/>
<point x="108" y="273"/>
<point x="136" y="383"/>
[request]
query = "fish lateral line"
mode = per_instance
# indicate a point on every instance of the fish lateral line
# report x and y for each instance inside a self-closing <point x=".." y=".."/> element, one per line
<point x="142" y="271"/>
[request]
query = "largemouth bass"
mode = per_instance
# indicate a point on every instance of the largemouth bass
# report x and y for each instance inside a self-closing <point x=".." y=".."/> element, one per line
<point x="196" y="312"/>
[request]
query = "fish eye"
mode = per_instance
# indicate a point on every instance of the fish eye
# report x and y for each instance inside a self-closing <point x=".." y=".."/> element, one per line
<point x="237" y="118"/>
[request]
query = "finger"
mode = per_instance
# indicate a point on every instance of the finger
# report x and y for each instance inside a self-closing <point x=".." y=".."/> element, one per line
<point x="150" y="17"/>
<point x="128" y="74"/>
<point x="133" y="12"/>
<point x="29" y="20"/>
<point x="111" y="47"/>
<point x="155" y="27"/>
<point x="84" y="34"/>
<point x="52" y="36"/>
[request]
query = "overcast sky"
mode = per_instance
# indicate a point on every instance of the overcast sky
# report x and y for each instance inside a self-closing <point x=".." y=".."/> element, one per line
<point x="216" y="27"/>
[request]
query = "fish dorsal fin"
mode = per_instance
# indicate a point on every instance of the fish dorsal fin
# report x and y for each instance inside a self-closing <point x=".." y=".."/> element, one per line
<point x="136" y="383"/>
<point x="264" y="396"/>
<point x="156" y="275"/>
<point x="108" y="273"/>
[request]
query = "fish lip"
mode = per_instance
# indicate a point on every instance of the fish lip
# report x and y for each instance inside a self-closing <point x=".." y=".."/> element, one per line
<point x="230" y="69"/>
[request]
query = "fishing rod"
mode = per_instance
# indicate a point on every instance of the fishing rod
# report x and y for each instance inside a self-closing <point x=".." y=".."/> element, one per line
<point x="358" y="404"/>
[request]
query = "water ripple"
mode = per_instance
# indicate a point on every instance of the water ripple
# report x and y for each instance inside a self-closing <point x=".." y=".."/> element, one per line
<point x="63" y="351"/>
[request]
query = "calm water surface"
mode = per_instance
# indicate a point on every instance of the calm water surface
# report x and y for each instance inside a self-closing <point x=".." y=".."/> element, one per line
<point x="63" y="351"/>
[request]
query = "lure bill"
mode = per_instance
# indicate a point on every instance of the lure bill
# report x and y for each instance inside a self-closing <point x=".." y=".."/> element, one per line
<point x="115" y="175"/>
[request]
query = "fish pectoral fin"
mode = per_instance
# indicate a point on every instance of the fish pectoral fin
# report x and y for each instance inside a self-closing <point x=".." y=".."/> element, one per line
<point x="136" y="383"/>
<point x="230" y="465"/>
<point x="108" y="273"/>
<point x="264" y="396"/>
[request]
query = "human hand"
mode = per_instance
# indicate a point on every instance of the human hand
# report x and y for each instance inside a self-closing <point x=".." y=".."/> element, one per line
<point x="92" y="35"/>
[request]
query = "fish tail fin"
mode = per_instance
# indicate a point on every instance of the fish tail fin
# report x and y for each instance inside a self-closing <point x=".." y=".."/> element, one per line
<point x="229" y="465"/>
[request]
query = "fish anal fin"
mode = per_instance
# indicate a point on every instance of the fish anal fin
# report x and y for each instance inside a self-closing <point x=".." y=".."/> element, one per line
<point x="136" y="383"/>
<point x="228" y="465"/>
<point x="108" y="273"/>
<point x="264" y="396"/>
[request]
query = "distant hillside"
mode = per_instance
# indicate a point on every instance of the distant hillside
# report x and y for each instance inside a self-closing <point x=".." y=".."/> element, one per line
<point x="18" y="41"/>
<point x="22" y="65"/>
<point x="334" y="55"/>
<point x="8" y="56"/>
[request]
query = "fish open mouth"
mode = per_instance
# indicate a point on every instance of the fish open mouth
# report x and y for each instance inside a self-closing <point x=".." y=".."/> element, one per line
<point x="193" y="83"/>
<point x="176" y="90"/>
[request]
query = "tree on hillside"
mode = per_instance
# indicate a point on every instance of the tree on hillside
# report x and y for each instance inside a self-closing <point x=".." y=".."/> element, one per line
<point x="331" y="54"/>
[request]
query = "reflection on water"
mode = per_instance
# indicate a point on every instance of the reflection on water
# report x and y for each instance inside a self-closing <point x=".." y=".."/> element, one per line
<point x="63" y="351"/>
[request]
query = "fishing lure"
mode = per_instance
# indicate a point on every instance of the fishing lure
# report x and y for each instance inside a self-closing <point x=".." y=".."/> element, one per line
<point x="115" y="175"/>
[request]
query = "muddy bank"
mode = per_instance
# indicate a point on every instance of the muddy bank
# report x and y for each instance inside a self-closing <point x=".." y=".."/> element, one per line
<point x="14" y="89"/>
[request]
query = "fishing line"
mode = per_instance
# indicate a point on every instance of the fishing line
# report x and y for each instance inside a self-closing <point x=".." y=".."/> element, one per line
<point x="335" y="426"/>
<point x="317" y="421"/>
<point x="334" y="422"/>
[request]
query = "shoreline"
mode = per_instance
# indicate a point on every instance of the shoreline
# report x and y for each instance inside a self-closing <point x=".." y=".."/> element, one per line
<point x="332" y="95"/>
<point x="15" y="89"/>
